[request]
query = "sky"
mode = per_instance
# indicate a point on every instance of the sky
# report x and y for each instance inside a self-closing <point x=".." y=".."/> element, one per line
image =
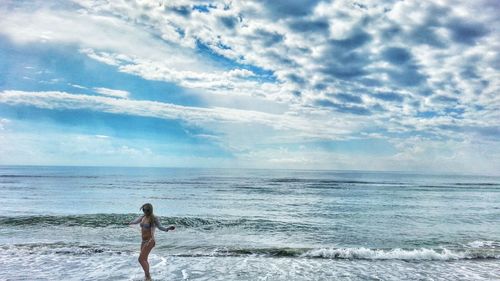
<point x="295" y="84"/>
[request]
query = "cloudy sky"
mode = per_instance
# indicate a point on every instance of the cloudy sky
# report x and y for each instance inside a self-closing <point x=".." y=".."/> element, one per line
<point x="371" y="85"/>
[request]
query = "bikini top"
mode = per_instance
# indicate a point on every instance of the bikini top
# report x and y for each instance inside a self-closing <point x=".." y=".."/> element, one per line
<point x="156" y="224"/>
<point x="145" y="225"/>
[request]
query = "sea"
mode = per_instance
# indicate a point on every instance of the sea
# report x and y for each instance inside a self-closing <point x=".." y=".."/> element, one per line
<point x="71" y="223"/>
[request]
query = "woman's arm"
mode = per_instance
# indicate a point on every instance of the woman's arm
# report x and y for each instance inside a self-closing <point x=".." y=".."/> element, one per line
<point x="162" y="228"/>
<point x="136" y="221"/>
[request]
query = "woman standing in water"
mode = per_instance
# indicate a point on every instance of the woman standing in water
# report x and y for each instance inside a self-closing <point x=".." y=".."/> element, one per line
<point x="148" y="223"/>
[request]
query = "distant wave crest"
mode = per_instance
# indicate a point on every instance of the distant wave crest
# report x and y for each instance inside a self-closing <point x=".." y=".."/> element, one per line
<point x="367" y="253"/>
<point x="97" y="220"/>
<point x="400" y="254"/>
<point x="121" y="220"/>
<point x="420" y="254"/>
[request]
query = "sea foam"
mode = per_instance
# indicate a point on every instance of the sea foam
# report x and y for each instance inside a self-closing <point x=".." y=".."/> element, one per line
<point x="396" y="254"/>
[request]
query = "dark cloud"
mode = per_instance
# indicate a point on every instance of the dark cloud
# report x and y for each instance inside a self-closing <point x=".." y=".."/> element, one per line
<point x="407" y="75"/>
<point x="296" y="79"/>
<point x="396" y="55"/>
<point x="341" y="60"/>
<point x="352" y="109"/>
<point x="462" y="30"/>
<point x="404" y="72"/>
<point x="478" y="107"/>
<point x="320" y="86"/>
<point x="426" y="35"/>
<point x="466" y="32"/>
<point x="289" y="8"/>
<point x="357" y="110"/>
<point x="144" y="18"/>
<point x="489" y="131"/>
<point x="378" y="107"/>
<point x="356" y="40"/>
<point x="485" y="83"/>
<point x="469" y="72"/>
<point x="229" y="22"/>
<point x="184" y="11"/>
<point x="427" y="114"/>
<point x="495" y="61"/>
<point x="280" y="59"/>
<point x="348" y="98"/>
<point x="360" y="5"/>
<point x="342" y="72"/>
<point x="444" y="99"/>
<point x="309" y="26"/>
<point x="344" y="63"/>
<point x="389" y="33"/>
<point x="369" y="82"/>
<point x="389" y="96"/>
<point x="454" y="111"/>
<point x="424" y="91"/>
<point x="268" y="38"/>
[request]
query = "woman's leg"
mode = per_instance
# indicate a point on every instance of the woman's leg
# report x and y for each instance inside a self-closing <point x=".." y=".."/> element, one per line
<point x="146" y="248"/>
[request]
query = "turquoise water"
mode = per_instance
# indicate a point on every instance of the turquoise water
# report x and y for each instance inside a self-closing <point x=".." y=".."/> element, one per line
<point x="68" y="223"/>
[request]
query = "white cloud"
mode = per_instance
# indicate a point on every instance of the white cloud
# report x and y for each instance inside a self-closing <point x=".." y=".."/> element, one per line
<point x="192" y="115"/>
<point x="112" y="93"/>
<point x="104" y="30"/>
<point x="66" y="148"/>
<point x="215" y="81"/>
<point x="101" y="136"/>
<point x="3" y="123"/>
<point x="443" y="62"/>
<point x="413" y="154"/>
<point x="94" y="31"/>
<point x="77" y="86"/>
<point x="292" y="52"/>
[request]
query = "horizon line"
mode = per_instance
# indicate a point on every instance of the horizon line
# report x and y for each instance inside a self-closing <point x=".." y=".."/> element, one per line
<point x="411" y="172"/>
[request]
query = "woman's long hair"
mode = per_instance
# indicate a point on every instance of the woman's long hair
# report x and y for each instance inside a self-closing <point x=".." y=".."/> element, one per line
<point x="148" y="213"/>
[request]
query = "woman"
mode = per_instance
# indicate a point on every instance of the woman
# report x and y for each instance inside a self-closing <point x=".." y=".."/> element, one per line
<point x="148" y="223"/>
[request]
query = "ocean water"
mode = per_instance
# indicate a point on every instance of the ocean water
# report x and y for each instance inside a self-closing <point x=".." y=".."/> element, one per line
<point x="69" y="223"/>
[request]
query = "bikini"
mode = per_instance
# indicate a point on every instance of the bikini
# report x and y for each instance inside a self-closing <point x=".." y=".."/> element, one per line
<point x="145" y="225"/>
<point x="152" y="239"/>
